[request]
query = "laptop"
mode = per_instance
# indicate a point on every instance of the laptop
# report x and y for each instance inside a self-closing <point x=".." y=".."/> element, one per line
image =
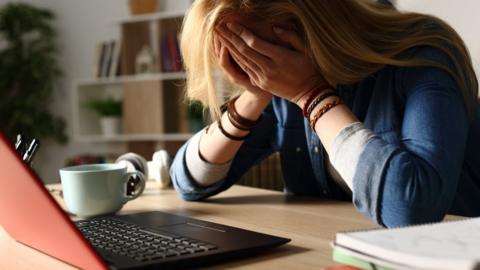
<point x="31" y="216"/>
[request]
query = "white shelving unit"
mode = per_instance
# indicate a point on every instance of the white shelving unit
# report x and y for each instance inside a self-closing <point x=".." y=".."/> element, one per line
<point x="86" y="122"/>
<point x="152" y="17"/>
<point x="132" y="78"/>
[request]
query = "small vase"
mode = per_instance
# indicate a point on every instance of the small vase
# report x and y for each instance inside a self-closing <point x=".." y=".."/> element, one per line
<point x="110" y="125"/>
<point x="138" y="7"/>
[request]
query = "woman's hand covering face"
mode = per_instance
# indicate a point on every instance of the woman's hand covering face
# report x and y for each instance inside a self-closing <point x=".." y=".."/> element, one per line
<point x="285" y="72"/>
<point x="236" y="74"/>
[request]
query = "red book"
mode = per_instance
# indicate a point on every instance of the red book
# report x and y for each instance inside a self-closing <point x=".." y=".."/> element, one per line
<point x="166" y="62"/>
<point x="171" y="50"/>
<point x="178" y="55"/>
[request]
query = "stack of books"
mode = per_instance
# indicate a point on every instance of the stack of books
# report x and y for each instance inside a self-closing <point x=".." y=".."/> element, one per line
<point x="447" y="245"/>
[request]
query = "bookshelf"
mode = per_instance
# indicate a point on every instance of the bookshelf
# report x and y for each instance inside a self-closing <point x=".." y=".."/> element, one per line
<point x="154" y="110"/>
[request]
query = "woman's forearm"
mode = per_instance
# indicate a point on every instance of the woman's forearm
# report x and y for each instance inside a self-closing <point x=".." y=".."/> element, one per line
<point x="331" y="123"/>
<point x="215" y="148"/>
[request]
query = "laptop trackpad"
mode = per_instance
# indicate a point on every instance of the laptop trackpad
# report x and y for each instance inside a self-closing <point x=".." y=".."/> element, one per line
<point x="153" y="219"/>
<point x="194" y="230"/>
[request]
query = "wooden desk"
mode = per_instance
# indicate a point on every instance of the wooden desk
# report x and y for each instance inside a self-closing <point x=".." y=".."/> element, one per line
<point x="310" y="223"/>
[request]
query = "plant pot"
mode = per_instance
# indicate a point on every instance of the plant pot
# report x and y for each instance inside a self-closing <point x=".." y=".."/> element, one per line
<point x="138" y="7"/>
<point x="110" y="125"/>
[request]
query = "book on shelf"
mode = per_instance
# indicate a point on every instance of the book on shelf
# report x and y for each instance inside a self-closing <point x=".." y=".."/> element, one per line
<point x="107" y="58"/>
<point x="106" y="53"/>
<point x="166" y="59"/>
<point x="100" y="56"/>
<point x="446" y="245"/>
<point x="97" y="60"/>
<point x="171" y="59"/>
<point x="115" y="61"/>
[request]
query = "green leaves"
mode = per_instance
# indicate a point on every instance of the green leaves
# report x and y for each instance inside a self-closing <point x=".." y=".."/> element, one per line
<point x="16" y="19"/>
<point x="28" y="72"/>
<point x="106" y="107"/>
<point x="195" y="110"/>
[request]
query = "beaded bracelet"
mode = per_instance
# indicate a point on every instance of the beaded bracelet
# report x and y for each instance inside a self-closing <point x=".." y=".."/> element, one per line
<point x="324" y="110"/>
<point x="317" y="101"/>
<point x="314" y="94"/>
<point x="309" y="101"/>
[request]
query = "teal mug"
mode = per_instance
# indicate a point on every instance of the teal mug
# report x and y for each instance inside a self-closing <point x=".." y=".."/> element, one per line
<point x="98" y="189"/>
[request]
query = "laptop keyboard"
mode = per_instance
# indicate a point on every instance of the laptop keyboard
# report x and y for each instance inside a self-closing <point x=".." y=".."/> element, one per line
<point x="137" y="243"/>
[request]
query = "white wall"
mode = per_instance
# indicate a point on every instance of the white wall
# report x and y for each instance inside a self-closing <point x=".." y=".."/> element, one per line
<point x="462" y="15"/>
<point x="80" y="25"/>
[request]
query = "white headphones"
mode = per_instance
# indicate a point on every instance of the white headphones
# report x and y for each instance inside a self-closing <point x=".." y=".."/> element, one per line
<point x="158" y="169"/>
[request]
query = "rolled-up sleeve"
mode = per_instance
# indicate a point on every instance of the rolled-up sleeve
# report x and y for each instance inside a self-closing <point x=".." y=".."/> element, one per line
<point x="255" y="148"/>
<point x="414" y="181"/>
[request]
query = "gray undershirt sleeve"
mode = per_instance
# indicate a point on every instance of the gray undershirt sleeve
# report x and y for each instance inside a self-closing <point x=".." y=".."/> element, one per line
<point x="203" y="172"/>
<point x="345" y="152"/>
<point x="346" y="149"/>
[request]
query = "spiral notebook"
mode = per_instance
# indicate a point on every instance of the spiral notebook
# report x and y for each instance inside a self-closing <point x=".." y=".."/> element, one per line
<point x="447" y="245"/>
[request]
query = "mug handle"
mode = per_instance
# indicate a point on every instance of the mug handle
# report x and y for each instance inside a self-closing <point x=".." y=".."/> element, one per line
<point x="139" y="190"/>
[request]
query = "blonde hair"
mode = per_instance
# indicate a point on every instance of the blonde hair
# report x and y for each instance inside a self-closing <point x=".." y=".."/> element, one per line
<point x="348" y="40"/>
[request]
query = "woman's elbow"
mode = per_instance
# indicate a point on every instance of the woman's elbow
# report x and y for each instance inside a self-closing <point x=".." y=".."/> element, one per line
<point x="181" y="183"/>
<point x="400" y="215"/>
<point x="404" y="207"/>
<point x="184" y="187"/>
<point x="190" y="197"/>
<point x="415" y="195"/>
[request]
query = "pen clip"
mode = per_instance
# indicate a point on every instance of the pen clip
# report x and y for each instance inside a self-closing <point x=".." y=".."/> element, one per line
<point x="31" y="151"/>
<point x="20" y="144"/>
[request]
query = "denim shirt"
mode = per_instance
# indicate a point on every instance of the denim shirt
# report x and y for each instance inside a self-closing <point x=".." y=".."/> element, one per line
<point x="423" y="163"/>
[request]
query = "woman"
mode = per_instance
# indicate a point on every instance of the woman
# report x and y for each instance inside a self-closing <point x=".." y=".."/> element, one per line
<point x="362" y="101"/>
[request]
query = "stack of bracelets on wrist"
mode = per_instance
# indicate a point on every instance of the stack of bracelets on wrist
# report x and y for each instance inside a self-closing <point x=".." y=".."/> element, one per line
<point x="313" y="94"/>
<point x="324" y="110"/>
<point x="318" y="95"/>
<point x="237" y="121"/>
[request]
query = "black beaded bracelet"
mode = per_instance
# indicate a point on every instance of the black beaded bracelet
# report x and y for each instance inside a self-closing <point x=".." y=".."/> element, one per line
<point x="317" y="101"/>
<point x="230" y="136"/>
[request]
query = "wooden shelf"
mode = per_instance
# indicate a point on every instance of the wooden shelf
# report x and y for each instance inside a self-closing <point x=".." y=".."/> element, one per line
<point x="133" y="78"/>
<point x="134" y="137"/>
<point x="152" y="17"/>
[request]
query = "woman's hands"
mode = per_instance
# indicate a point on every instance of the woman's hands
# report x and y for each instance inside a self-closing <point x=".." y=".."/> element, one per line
<point x="236" y="75"/>
<point x="287" y="73"/>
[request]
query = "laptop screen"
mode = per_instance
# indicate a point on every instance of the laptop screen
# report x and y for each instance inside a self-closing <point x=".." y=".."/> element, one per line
<point x="31" y="216"/>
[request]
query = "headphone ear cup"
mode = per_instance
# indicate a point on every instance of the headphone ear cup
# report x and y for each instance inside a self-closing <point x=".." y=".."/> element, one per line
<point x="134" y="162"/>
<point x="160" y="167"/>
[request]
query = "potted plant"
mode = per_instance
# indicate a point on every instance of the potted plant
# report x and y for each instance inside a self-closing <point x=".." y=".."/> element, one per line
<point x="195" y="115"/>
<point x="110" y="112"/>
<point x="28" y="72"/>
